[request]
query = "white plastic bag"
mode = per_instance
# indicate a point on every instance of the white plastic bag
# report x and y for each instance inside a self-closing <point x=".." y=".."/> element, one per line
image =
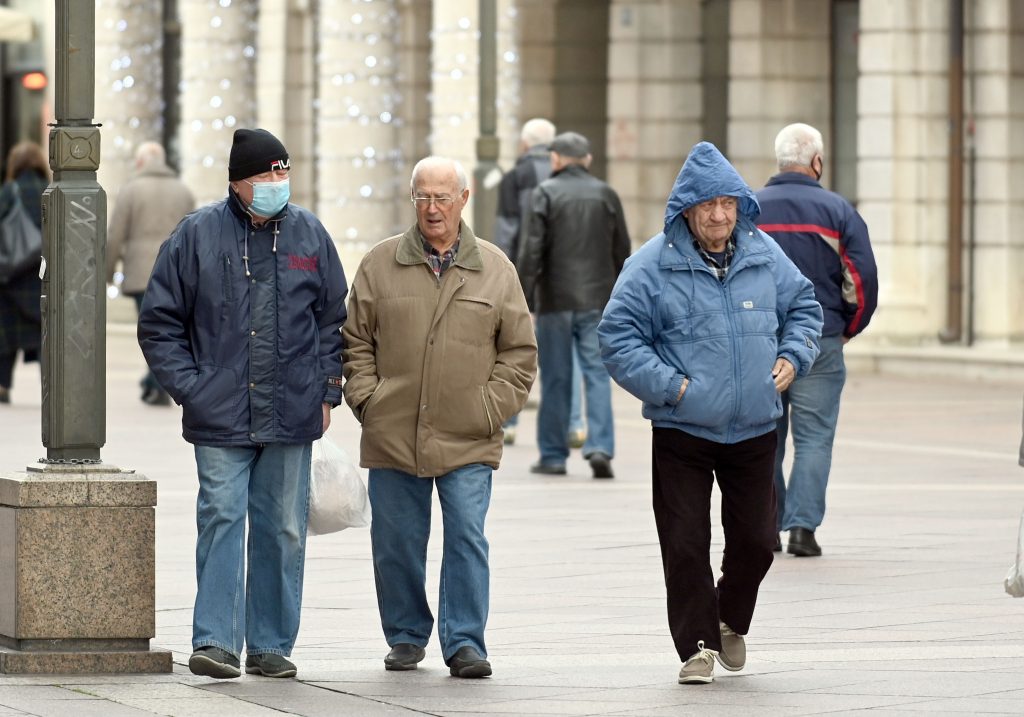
<point x="1015" y="578"/>
<point x="337" y="496"/>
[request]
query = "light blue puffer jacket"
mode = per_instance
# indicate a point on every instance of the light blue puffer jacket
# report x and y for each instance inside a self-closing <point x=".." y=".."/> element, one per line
<point x="669" y="316"/>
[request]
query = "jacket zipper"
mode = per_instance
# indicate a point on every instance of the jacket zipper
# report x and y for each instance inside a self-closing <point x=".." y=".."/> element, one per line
<point x="487" y="411"/>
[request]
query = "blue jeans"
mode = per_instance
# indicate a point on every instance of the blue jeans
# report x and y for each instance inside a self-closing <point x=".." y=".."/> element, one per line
<point x="575" y="411"/>
<point x="810" y="409"/>
<point x="271" y="484"/>
<point x="399" y="531"/>
<point x="558" y="333"/>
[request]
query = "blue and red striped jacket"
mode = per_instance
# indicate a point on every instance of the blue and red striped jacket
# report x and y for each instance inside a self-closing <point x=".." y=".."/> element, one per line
<point x="828" y="241"/>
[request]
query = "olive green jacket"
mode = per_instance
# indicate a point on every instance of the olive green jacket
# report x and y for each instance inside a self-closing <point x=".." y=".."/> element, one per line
<point x="433" y="369"/>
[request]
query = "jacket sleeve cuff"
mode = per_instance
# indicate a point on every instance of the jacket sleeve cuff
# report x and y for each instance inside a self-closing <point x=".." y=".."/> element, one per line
<point x="674" y="387"/>
<point x="332" y="396"/>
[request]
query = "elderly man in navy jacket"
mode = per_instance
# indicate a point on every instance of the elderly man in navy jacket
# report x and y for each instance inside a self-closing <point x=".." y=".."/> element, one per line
<point x="828" y="241"/>
<point x="241" y="323"/>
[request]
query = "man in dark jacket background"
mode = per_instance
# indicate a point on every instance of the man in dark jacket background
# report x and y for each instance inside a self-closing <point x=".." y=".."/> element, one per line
<point x="241" y="324"/>
<point x="828" y="241"/>
<point x="532" y="167"/>
<point x="573" y="246"/>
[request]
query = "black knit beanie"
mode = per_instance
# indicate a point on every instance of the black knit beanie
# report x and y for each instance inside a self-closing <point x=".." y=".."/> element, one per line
<point x="255" y="151"/>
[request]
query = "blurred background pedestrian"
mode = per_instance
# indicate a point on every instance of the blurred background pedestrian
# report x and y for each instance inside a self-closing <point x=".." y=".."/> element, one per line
<point x="532" y="167"/>
<point x="148" y="208"/>
<point x="28" y="175"/>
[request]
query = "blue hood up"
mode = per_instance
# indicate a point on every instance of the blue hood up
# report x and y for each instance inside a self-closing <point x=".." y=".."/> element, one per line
<point x="707" y="174"/>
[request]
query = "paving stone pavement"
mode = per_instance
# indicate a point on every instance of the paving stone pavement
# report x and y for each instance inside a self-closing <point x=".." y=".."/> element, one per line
<point x="904" y="614"/>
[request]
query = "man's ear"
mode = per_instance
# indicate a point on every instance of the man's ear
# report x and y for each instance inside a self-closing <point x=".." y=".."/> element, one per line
<point x="587" y="160"/>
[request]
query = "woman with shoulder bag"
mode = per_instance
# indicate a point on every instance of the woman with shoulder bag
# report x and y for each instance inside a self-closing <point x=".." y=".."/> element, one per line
<point x="28" y="175"/>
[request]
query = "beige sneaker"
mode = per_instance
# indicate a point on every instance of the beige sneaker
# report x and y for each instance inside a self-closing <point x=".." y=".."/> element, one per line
<point x="733" y="654"/>
<point x="577" y="438"/>
<point x="699" y="668"/>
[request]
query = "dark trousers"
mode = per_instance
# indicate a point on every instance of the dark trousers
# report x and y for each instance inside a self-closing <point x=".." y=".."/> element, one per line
<point x="148" y="382"/>
<point x="7" y="368"/>
<point x="685" y="468"/>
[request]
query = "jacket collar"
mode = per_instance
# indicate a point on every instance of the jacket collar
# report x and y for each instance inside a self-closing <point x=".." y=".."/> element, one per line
<point x="793" y="178"/>
<point x="572" y="170"/>
<point x="410" y="248"/>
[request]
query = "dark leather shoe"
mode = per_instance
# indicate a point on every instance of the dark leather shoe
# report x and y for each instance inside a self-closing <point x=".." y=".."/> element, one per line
<point x="548" y="469"/>
<point x="467" y="662"/>
<point x="802" y="543"/>
<point x="404" y="656"/>
<point x="269" y="665"/>
<point x="778" y="543"/>
<point x="601" y="464"/>
<point x="212" y="661"/>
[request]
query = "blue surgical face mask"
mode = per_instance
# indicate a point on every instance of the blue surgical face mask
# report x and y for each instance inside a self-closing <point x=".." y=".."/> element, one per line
<point x="268" y="198"/>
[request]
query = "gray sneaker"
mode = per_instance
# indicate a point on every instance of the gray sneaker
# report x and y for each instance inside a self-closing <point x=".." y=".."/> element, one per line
<point x="269" y="665"/>
<point x="733" y="654"/>
<point x="212" y="661"/>
<point x="699" y="669"/>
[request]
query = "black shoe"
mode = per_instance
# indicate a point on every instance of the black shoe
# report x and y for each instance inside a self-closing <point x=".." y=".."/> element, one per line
<point x="269" y="665"/>
<point x="778" y="543"/>
<point x="404" y="656"/>
<point x="214" y="662"/>
<point x="5" y="395"/>
<point x="548" y="469"/>
<point x="467" y="662"/>
<point x="601" y="464"/>
<point x="802" y="543"/>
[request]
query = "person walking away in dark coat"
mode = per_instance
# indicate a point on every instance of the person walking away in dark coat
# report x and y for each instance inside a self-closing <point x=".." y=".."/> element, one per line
<point x="148" y="208"/>
<point x="241" y="323"/>
<point x="708" y="323"/>
<point x="439" y="352"/>
<point x="532" y="167"/>
<point x="828" y="240"/>
<point x="573" y="247"/>
<point x="28" y="175"/>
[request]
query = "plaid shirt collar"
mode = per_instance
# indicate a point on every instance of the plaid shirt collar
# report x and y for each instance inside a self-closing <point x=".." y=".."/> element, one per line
<point x="720" y="269"/>
<point x="440" y="263"/>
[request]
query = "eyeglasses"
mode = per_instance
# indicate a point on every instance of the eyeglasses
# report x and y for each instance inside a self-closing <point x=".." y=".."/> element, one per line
<point x="441" y="202"/>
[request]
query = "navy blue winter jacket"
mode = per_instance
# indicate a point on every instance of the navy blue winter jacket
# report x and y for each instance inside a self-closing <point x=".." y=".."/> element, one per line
<point x="245" y="331"/>
<point x="670" y="317"/>
<point x="828" y="241"/>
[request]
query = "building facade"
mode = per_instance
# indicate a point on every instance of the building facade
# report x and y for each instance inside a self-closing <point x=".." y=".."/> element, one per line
<point x="360" y="89"/>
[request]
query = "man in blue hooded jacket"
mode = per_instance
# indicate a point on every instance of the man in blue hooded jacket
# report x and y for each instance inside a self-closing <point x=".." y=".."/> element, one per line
<point x="707" y="324"/>
<point x="241" y="324"/>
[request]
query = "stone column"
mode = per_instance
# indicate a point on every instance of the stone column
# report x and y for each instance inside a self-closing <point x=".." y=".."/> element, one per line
<point x="654" y="103"/>
<point x="996" y="83"/>
<point x="779" y="66"/>
<point x="412" y="85"/>
<point x="510" y="116"/>
<point x="902" y="162"/>
<point x="218" y="73"/>
<point x="286" y="88"/>
<point x="454" y="110"/>
<point x="129" y="83"/>
<point x="360" y="163"/>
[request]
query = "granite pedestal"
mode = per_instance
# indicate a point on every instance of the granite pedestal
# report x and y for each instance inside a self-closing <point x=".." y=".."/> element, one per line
<point x="77" y="571"/>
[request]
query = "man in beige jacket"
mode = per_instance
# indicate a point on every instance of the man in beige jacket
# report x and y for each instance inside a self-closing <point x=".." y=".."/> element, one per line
<point x="440" y="352"/>
<point x="148" y="208"/>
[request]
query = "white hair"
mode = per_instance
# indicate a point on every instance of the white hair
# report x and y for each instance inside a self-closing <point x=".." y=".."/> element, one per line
<point x="435" y="162"/>
<point x="537" y="131"/>
<point x="797" y="144"/>
<point x="150" y="152"/>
